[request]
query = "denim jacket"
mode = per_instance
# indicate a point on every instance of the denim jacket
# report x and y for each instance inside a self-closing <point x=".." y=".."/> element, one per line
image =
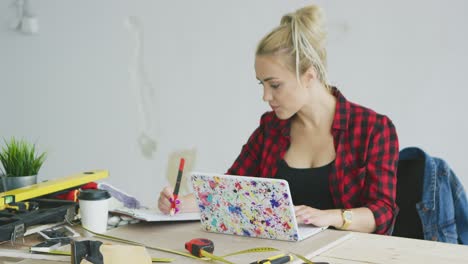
<point x="444" y="207"/>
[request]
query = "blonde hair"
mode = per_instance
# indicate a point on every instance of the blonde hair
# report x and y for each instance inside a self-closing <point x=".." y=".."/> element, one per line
<point x="300" y="36"/>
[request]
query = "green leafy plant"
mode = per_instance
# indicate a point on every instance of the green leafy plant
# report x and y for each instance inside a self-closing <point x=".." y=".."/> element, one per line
<point x="19" y="158"/>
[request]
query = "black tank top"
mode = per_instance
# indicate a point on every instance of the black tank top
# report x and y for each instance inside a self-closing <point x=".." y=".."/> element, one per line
<point x="308" y="186"/>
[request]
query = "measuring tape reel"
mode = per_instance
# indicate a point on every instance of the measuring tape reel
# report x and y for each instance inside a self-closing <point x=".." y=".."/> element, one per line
<point x="196" y="246"/>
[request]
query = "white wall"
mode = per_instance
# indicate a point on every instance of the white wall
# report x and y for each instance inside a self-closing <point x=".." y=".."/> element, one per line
<point x="70" y="88"/>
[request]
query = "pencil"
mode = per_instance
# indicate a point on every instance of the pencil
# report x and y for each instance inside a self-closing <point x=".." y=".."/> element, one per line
<point x="177" y="186"/>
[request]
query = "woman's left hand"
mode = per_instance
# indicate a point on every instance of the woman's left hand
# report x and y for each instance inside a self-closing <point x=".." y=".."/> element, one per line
<point x="309" y="215"/>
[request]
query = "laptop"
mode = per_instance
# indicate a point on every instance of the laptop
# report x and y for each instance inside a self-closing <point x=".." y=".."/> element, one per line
<point x="248" y="206"/>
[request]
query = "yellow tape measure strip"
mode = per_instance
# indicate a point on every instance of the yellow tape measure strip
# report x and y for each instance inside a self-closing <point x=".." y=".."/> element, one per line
<point x="252" y="250"/>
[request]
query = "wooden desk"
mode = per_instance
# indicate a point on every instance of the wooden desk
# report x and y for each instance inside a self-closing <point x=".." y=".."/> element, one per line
<point x="331" y="246"/>
<point x="368" y="248"/>
<point x="174" y="236"/>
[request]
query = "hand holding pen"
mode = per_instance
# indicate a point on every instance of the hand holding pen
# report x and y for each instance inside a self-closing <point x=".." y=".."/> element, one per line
<point x="175" y="197"/>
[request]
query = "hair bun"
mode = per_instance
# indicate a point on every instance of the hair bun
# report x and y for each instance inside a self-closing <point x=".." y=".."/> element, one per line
<point x="302" y="35"/>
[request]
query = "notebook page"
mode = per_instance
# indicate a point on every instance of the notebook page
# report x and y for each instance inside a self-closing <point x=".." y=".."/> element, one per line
<point x="154" y="215"/>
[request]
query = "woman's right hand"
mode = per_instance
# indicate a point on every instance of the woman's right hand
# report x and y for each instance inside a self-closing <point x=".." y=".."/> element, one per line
<point x="165" y="200"/>
<point x="184" y="204"/>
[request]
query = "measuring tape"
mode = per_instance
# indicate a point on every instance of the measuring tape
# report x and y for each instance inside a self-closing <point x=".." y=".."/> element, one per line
<point x="208" y="255"/>
<point x="199" y="248"/>
<point x="203" y="248"/>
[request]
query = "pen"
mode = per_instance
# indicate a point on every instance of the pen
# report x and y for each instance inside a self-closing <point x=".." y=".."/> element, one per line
<point x="177" y="187"/>
<point x="279" y="259"/>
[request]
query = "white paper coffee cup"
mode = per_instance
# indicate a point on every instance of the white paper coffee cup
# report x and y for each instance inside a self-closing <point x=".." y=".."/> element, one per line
<point x="94" y="209"/>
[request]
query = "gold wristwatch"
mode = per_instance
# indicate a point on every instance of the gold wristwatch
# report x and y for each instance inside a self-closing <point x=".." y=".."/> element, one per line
<point x="347" y="218"/>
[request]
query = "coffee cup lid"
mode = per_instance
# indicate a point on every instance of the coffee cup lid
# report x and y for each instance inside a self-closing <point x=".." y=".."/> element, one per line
<point x="93" y="195"/>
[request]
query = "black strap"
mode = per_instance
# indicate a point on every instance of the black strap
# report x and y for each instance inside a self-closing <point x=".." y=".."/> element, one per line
<point x="88" y="250"/>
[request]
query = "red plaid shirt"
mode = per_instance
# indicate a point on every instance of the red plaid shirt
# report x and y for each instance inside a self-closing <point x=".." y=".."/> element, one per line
<point x="364" y="172"/>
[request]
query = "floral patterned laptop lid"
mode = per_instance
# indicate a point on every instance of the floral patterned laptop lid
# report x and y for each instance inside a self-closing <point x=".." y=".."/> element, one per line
<point x="246" y="206"/>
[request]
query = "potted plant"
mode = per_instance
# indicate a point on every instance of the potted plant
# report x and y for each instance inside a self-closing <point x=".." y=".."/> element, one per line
<point x="21" y="163"/>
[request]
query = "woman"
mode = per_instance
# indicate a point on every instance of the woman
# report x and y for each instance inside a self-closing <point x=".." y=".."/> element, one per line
<point x="339" y="158"/>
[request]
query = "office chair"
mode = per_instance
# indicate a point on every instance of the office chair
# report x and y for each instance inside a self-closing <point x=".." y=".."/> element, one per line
<point x="410" y="178"/>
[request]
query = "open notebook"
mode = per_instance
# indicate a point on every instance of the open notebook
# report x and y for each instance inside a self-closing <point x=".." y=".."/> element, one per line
<point x="154" y="215"/>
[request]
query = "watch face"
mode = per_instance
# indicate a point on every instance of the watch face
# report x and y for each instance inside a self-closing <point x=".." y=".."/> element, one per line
<point x="348" y="215"/>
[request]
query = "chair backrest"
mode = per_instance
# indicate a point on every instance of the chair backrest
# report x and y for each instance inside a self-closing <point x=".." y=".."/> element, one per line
<point x="410" y="179"/>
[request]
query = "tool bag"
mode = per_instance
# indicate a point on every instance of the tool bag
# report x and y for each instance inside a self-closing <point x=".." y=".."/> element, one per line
<point x="13" y="223"/>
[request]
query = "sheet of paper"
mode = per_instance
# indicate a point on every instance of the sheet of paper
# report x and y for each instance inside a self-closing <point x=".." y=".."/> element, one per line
<point x="154" y="215"/>
<point x="122" y="254"/>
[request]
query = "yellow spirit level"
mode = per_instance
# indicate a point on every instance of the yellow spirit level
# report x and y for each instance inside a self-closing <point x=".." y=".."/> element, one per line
<point x="50" y="186"/>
